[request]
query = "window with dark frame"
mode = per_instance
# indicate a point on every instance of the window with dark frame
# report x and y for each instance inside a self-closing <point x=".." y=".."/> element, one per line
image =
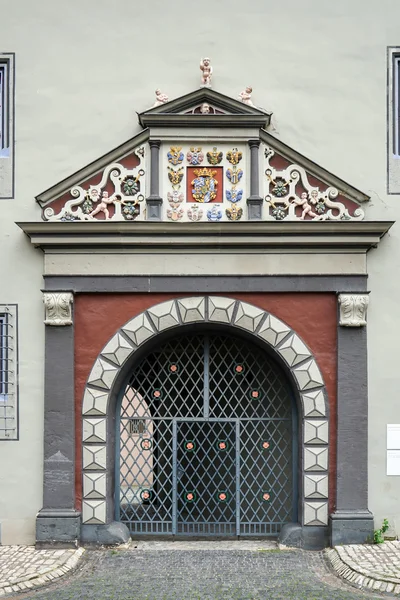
<point x="4" y="108"/>
<point x="396" y="104"/>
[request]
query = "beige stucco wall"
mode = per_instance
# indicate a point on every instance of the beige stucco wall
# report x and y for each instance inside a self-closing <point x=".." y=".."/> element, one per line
<point x="84" y="68"/>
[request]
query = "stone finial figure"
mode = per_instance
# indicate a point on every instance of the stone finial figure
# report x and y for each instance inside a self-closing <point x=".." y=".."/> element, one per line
<point x="206" y="72"/>
<point x="245" y="96"/>
<point x="205" y="109"/>
<point x="160" y="98"/>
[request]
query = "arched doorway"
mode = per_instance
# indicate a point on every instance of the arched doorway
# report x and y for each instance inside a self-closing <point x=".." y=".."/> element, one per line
<point x="208" y="440"/>
<point x="133" y="341"/>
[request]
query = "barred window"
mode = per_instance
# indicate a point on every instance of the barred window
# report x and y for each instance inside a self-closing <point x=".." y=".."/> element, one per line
<point x="8" y="373"/>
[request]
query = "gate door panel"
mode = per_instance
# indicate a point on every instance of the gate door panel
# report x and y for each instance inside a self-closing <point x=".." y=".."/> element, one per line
<point x="206" y="478"/>
<point x="207" y="431"/>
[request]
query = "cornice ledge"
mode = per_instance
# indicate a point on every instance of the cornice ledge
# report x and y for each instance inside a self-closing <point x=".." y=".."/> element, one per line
<point x="360" y="235"/>
<point x="194" y="120"/>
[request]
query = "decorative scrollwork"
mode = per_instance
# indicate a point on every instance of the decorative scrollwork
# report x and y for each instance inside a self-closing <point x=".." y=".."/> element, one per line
<point x="114" y="198"/>
<point x="291" y="196"/>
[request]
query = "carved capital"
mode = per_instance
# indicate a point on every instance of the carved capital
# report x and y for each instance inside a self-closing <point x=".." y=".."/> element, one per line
<point x="353" y="310"/>
<point x="254" y="143"/>
<point x="58" y="308"/>
<point x="155" y="144"/>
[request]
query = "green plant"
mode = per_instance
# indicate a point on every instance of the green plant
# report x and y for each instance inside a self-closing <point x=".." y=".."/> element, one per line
<point x="379" y="534"/>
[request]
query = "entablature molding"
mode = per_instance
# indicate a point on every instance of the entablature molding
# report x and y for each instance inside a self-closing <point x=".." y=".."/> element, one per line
<point x="352" y="236"/>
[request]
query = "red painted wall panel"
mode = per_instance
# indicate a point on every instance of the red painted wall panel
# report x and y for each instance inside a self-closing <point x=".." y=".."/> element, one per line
<point x="312" y="316"/>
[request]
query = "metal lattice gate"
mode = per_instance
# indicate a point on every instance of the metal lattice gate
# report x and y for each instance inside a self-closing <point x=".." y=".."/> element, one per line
<point x="207" y="441"/>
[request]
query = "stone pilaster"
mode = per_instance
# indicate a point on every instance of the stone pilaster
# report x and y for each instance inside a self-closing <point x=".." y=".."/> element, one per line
<point x="254" y="201"/>
<point x="58" y="523"/>
<point x="352" y="522"/>
<point x="154" y="201"/>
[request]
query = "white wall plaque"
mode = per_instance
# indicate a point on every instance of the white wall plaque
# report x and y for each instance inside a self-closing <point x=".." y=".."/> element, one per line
<point x="393" y="462"/>
<point x="393" y="437"/>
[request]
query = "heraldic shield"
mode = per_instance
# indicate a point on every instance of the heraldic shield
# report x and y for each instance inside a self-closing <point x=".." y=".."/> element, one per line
<point x="204" y="185"/>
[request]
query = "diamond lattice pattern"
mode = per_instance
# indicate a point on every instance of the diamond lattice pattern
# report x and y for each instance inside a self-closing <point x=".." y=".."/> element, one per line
<point x="206" y="440"/>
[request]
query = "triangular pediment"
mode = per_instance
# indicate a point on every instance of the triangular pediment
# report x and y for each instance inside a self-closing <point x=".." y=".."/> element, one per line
<point x="205" y="107"/>
<point x="203" y="175"/>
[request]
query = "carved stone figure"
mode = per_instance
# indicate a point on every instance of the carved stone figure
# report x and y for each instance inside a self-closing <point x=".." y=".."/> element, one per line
<point x="303" y="202"/>
<point x="104" y="200"/>
<point x="160" y="98"/>
<point x="205" y="109"/>
<point x="206" y="72"/>
<point x="245" y="96"/>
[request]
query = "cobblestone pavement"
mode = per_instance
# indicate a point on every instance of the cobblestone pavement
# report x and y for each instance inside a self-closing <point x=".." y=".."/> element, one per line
<point x="23" y="567"/>
<point x="369" y="566"/>
<point x="201" y="571"/>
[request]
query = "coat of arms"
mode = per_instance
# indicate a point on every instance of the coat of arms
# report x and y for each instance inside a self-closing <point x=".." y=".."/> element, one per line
<point x="175" y="156"/>
<point x="175" y="198"/>
<point x="234" y="175"/>
<point x="234" y="213"/>
<point x="175" y="214"/>
<point x="205" y="186"/>
<point x="234" y="156"/>
<point x="175" y="177"/>
<point x="195" y="156"/>
<point x="234" y="195"/>
<point x="214" y="214"/>
<point x="195" y="213"/>
<point x="214" y="157"/>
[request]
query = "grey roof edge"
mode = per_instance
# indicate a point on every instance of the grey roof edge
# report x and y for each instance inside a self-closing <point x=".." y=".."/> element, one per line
<point x="202" y="95"/>
<point x="349" y="234"/>
<point x="178" y="120"/>
<point x="92" y="168"/>
<point x="289" y="153"/>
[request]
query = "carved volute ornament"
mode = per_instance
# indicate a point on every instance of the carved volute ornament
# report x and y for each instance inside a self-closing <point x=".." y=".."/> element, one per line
<point x="58" y="308"/>
<point x="353" y="310"/>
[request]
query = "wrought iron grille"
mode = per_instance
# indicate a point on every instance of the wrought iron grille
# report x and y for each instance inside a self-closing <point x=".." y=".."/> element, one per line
<point x="206" y="428"/>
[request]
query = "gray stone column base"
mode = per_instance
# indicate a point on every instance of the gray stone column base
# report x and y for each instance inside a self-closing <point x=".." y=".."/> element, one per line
<point x="351" y="527"/>
<point x="154" y="205"/>
<point x="305" y="537"/>
<point x="105" y="535"/>
<point x="58" y="528"/>
<point x="254" y="208"/>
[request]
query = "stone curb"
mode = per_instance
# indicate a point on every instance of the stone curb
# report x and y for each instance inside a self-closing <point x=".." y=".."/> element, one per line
<point x="45" y="576"/>
<point x="359" y="577"/>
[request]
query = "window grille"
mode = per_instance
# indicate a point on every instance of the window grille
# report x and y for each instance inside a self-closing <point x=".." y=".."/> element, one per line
<point x="8" y="373"/>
